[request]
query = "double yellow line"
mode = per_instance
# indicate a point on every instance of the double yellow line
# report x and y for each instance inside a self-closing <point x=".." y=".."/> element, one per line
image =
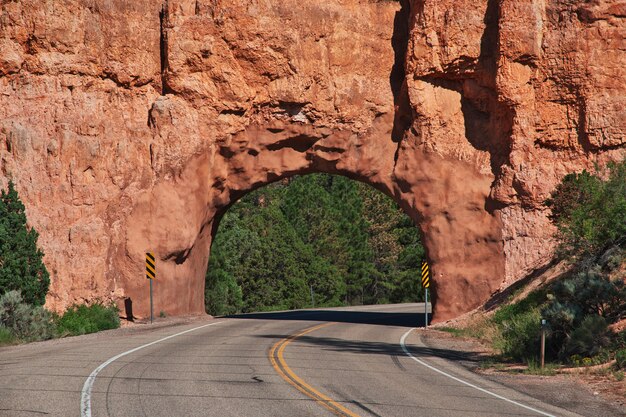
<point x="278" y="362"/>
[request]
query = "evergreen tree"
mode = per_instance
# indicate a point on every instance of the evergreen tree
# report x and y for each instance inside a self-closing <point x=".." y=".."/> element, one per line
<point x="353" y="228"/>
<point x="397" y="249"/>
<point x="21" y="265"/>
<point x="406" y="285"/>
<point x="590" y="214"/>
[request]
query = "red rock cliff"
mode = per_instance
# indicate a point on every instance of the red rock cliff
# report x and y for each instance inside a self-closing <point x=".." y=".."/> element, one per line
<point x="131" y="126"/>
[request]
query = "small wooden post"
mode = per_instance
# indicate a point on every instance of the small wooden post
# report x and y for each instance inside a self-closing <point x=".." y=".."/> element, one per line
<point x="543" y="343"/>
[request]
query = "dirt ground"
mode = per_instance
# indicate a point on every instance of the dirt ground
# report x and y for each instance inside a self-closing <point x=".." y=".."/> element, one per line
<point x="593" y="395"/>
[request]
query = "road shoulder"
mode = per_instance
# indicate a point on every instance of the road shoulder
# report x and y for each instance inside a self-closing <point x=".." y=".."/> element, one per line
<point x="570" y="392"/>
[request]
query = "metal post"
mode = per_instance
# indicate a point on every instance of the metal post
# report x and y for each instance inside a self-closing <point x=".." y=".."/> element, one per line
<point x="425" y="307"/>
<point x="151" y="307"/>
<point x="543" y="342"/>
<point x="425" y="284"/>
<point x="151" y="275"/>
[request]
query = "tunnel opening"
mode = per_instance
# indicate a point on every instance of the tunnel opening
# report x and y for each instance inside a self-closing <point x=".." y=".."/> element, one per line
<point x="311" y="241"/>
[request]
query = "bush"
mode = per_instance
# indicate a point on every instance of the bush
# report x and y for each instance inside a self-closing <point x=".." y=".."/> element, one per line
<point x="620" y="358"/>
<point x="507" y="312"/>
<point x="613" y="258"/>
<point x="25" y="322"/>
<point x="519" y="335"/>
<point x="83" y="319"/>
<point x="592" y="292"/>
<point x="21" y="322"/>
<point x="589" y="338"/>
<point x="619" y="341"/>
<point x="518" y="326"/>
<point x="534" y="368"/>
<point x="21" y="265"/>
<point x="590" y="214"/>
<point x="6" y="337"/>
<point x="588" y="293"/>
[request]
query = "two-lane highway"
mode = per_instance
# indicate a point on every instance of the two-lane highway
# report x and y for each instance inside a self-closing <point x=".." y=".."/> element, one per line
<point x="362" y="361"/>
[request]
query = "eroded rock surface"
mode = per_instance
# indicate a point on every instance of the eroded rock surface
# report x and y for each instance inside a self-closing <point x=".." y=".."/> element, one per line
<point x="132" y="126"/>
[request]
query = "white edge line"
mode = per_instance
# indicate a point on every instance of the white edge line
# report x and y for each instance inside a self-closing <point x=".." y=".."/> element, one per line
<point x="406" y="350"/>
<point x="85" y="399"/>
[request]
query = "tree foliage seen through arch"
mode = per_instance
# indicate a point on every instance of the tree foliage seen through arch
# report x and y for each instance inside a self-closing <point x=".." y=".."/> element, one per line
<point x="339" y="239"/>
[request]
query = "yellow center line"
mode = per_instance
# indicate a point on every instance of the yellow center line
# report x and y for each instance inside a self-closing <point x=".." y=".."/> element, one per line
<point x="280" y="366"/>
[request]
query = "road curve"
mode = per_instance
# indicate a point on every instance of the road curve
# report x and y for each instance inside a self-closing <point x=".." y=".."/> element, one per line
<point x="273" y="364"/>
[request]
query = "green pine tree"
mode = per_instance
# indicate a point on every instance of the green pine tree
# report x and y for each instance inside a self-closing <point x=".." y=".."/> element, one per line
<point x="590" y="213"/>
<point x="21" y="265"/>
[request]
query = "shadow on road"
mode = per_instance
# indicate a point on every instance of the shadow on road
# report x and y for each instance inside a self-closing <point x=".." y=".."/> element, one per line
<point x="359" y="317"/>
<point x="393" y="349"/>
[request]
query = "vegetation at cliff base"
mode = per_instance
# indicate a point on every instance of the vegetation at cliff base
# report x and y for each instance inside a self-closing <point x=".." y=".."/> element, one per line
<point x="83" y="319"/>
<point x="23" y="322"/>
<point x="589" y="212"/>
<point x="590" y="215"/>
<point x="318" y="240"/>
<point x="24" y="282"/>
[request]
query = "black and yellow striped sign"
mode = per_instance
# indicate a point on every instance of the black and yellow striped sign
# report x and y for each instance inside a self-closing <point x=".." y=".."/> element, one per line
<point x="425" y="275"/>
<point x="150" y="266"/>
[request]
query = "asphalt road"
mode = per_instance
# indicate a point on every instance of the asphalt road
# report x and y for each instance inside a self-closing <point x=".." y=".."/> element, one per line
<point x="352" y="361"/>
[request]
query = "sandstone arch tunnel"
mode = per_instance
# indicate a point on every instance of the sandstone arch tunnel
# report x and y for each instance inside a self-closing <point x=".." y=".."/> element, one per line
<point x="462" y="238"/>
<point x="131" y="126"/>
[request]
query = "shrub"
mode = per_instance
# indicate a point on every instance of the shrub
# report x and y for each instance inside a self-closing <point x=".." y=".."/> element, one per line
<point x="576" y="360"/>
<point x="534" y="368"/>
<point x="602" y="356"/>
<point x="21" y="266"/>
<point x="518" y="327"/>
<point x="24" y="321"/>
<point x="519" y="337"/>
<point x="620" y="358"/>
<point x="589" y="338"/>
<point x="507" y="312"/>
<point x="591" y="291"/>
<point x="590" y="214"/>
<point x="6" y="336"/>
<point x="613" y="258"/>
<point x="83" y="319"/>
<point x="14" y="313"/>
<point x="588" y="293"/>
<point x="619" y="341"/>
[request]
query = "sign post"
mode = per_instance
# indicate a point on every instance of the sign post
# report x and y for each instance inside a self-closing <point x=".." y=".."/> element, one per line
<point x="150" y="274"/>
<point x="542" y="352"/>
<point x="426" y="285"/>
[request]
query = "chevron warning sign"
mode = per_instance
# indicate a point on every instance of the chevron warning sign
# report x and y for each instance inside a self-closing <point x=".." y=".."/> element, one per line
<point x="425" y="275"/>
<point x="150" y="266"/>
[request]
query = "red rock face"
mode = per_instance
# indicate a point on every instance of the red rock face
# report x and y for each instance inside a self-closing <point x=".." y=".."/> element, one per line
<point x="132" y="126"/>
